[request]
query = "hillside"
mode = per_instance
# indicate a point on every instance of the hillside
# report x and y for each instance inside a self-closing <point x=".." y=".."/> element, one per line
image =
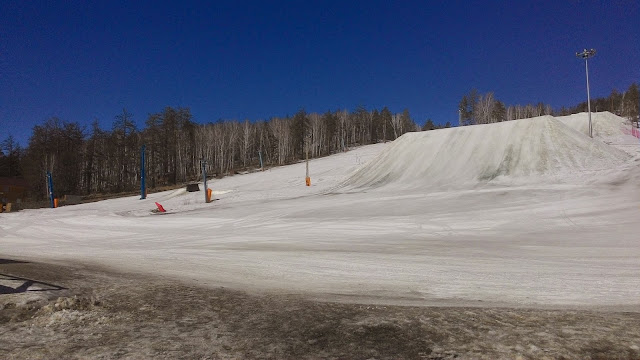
<point x="539" y="149"/>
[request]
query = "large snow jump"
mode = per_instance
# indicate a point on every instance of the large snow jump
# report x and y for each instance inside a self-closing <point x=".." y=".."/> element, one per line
<point x="538" y="149"/>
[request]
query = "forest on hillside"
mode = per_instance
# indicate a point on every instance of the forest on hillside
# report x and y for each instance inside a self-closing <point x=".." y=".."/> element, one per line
<point x="99" y="161"/>
<point x="476" y="108"/>
<point x="93" y="160"/>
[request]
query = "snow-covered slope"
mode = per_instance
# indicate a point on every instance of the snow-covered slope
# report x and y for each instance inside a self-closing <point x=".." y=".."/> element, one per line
<point x="528" y="149"/>
<point x="607" y="127"/>
<point x="535" y="237"/>
<point x="605" y="124"/>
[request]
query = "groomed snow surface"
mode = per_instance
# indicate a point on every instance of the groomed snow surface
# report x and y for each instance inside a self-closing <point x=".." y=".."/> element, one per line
<point x="523" y="213"/>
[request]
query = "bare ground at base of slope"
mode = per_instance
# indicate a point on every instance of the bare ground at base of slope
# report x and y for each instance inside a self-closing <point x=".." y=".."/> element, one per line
<point x="67" y="311"/>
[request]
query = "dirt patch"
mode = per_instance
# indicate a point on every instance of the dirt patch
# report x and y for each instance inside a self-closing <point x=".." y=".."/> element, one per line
<point x="99" y="314"/>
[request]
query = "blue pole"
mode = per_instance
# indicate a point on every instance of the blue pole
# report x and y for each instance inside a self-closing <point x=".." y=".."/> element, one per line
<point x="143" y="190"/>
<point x="260" y="154"/>
<point x="50" y="181"/>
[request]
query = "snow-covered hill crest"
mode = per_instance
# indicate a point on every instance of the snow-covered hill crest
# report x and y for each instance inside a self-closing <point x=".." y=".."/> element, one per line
<point x="541" y="148"/>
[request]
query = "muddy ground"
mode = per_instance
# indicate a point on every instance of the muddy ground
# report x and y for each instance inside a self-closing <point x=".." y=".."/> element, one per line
<point x="76" y="312"/>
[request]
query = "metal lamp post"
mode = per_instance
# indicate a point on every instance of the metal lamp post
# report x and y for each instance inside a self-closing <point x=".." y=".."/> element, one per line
<point x="586" y="54"/>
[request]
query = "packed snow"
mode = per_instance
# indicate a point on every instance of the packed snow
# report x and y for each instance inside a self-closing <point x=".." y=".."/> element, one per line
<point x="608" y="128"/>
<point x="529" y="213"/>
<point x="540" y="149"/>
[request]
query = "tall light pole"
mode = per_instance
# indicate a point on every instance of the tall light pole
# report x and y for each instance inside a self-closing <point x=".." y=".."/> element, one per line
<point x="586" y="54"/>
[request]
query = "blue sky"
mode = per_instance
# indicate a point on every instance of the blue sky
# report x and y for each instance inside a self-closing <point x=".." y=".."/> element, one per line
<point x="85" y="61"/>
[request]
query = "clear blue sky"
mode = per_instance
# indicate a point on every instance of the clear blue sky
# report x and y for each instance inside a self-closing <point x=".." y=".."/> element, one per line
<point x="257" y="59"/>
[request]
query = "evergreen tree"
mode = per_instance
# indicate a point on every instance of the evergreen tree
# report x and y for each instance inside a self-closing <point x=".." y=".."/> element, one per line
<point x="408" y="124"/>
<point x="125" y="145"/>
<point x="631" y="100"/>
<point x="468" y="108"/>
<point x="10" y="154"/>
<point x="385" y="119"/>
<point x="332" y="140"/>
<point x="376" y="126"/>
<point x="428" y="125"/>
<point x="58" y="147"/>
<point x="299" y="130"/>
<point x="499" y="111"/>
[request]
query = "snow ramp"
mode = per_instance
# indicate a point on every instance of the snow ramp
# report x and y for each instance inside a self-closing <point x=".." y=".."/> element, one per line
<point x="605" y="124"/>
<point x="607" y="127"/>
<point x="521" y="150"/>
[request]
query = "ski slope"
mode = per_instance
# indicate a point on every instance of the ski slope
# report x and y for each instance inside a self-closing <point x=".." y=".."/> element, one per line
<point x="607" y="127"/>
<point x="525" y="213"/>
<point x="538" y="149"/>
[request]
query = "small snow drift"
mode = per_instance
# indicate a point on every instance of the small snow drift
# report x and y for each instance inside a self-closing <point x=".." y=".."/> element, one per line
<point x="537" y="147"/>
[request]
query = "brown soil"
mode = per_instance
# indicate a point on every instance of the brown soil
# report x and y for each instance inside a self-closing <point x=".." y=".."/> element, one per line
<point x="75" y="312"/>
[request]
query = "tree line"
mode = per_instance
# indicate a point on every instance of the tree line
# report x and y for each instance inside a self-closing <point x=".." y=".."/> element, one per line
<point x="476" y="108"/>
<point x="623" y="104"/>
<point x="101" y="161"/>
<point x="93" y="160"/>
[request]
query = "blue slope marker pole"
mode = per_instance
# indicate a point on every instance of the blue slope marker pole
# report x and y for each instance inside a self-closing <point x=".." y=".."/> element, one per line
<point x="143" y="177"/>
<point x="50" y="182"/>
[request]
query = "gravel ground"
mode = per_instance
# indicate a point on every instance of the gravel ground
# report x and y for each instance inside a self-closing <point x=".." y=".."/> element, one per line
<point x="77" y="312"/>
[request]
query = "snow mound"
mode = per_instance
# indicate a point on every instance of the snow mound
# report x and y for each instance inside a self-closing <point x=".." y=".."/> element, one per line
<point x="541" y="147"/>
<point x="607" y="127"/>
<point x="605" y="124"/>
